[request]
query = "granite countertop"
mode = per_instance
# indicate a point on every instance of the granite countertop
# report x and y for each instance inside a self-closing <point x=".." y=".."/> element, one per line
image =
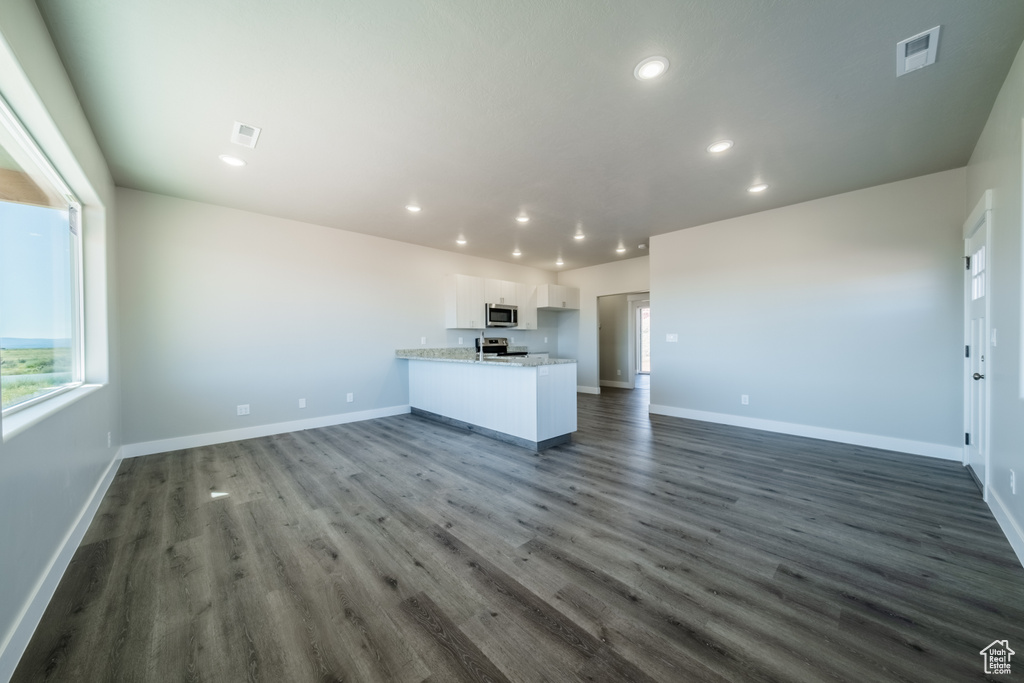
<point x="463" y="355"/>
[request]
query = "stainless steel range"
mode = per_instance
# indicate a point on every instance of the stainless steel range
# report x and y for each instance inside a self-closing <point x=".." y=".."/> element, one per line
<point x="497" y="346"/>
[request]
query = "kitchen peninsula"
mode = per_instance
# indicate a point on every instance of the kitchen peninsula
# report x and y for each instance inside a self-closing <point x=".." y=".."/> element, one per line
<point x="525" y="400"/>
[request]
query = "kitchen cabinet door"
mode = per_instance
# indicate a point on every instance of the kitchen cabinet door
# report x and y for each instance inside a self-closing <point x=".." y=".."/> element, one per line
<point x="510" y="293"/>
<point x="464" y="302"/>
<point x="527" y="298"/>
<point x="500" y="292"/>
<point x="571" y="298"/>
<point x="558" y="297"/>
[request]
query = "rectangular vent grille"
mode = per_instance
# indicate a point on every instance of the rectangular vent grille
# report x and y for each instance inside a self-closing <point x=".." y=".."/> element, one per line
<point x="245" y="135"/>
<point x="917" y="52"/>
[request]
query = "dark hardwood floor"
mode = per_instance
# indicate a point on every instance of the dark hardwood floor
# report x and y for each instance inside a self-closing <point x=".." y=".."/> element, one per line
<point x="650" y="549"/>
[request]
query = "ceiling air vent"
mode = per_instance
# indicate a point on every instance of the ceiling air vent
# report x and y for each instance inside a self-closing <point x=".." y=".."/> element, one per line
<point x="245" y="135"/>
<point x="917" y="51"/>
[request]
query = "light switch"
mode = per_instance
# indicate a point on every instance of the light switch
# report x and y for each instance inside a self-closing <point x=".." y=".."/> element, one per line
<point x="544" y="370"/>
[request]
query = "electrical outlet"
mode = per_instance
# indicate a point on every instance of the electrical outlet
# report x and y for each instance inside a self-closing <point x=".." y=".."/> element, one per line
<point x="350" y="397"/>
<point x="745" y="399"/>
<point x="545" y="340"/>
<point x="460" y="341"/>
<point x="423" y="340"/>
<point x="512" y="340"/>
<point x="109" y="440"/>
<point x="1013" y="483"/>
<point x="618" y="372"/>
<point x="670" y="337"/>
<point x="302" y="403"/>
<point x="243" y="409"/>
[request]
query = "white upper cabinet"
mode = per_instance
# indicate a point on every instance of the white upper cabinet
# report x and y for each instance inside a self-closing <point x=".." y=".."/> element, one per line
<point x="558" y="297"/>
<point x="527" y="297"/>
<point x="466" y="295"/>
<point x="464" y="302"/>
<point x="501" y="292"/>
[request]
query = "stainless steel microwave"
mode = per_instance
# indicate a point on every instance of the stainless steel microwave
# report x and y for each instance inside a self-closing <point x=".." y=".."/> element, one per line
<point x="501" y="315"/>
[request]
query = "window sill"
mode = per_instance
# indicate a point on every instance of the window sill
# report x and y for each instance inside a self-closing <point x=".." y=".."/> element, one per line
<point x="21" y="420"/>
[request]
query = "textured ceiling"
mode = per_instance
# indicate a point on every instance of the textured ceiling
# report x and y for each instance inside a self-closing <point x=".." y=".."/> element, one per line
<point x="480" y="109"/>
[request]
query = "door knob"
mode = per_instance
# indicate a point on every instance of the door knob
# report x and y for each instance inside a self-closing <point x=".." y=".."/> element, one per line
<point x="978" y="375"/>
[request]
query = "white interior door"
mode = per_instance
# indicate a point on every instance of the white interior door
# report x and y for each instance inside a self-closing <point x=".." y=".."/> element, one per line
<point x="976" y="362"/>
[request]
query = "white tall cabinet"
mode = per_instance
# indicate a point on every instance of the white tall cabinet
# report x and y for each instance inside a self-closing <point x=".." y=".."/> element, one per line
<point x="527" y="296"/>
<point x="464" y="302"/>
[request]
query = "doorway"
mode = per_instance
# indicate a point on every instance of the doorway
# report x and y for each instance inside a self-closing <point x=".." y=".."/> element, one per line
<point x="624" y="349"/>
<point x="977" y="365"/>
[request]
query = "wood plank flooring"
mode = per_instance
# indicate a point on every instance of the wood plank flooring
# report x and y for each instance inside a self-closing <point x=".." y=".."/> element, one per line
<point x="649" y="549"/>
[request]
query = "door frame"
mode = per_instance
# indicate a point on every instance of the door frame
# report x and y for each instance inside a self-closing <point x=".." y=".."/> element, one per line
<point x="979" y="219"/>
<point x="633" y="302"/>
<point x="634" y="311"/>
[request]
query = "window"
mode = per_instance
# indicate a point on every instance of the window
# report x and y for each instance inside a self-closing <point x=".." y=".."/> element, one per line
<point x="40" y="273"/>
<point x="978" y="274"/>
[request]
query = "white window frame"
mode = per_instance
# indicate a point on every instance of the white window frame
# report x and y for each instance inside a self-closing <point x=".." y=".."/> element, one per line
<point x="35" y="158"/>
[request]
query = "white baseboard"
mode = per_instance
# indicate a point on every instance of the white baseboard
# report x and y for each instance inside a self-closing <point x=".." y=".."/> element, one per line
<point x="1014" y="534"/>
<point x="888" y="443"/>
<point x="617" y="385"/>
<point x="25" y="625"/>
<point x="580" y="389"/>
<point x="134" y="450"/>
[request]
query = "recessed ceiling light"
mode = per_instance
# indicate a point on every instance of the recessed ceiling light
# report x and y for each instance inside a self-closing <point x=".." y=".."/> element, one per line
<point x="641" y="246"/>
<point x="621" y="250"/>
<point x="412" y="208"/>
<point x="652" y="67"/>
<point x="523" y="218"/>
<point x="559" y="262"/>
<point x="460" y="240"/>
<point x="517" y="253"/>
<point x="578" y="236"/>
<point x="232" y="161"/>
<point x="754" y="189"/>
<point x="720" y="146"/>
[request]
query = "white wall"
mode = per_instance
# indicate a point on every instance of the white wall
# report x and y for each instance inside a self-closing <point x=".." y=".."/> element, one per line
<point x="224" y="307"/>
<point x="840" y="318"/>
<point x="53" y="471"/>
<point x="996" y="165"/>
<point x="577" y="330"/>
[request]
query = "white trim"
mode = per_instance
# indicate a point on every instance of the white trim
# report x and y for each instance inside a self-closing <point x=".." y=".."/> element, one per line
<point x="973" y="221"/>
<point x="888" y="443"/>
<point x="1014" y="534"/>
<point x="587" y="390"/>
<point x="16" y="422"/>
<point x="25" y="625"/>
<point x="617" y="385"/>
<point x="134" y="450"/>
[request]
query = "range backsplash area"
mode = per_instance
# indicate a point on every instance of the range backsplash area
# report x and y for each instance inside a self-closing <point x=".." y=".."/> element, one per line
<point x="533" y="340"/>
